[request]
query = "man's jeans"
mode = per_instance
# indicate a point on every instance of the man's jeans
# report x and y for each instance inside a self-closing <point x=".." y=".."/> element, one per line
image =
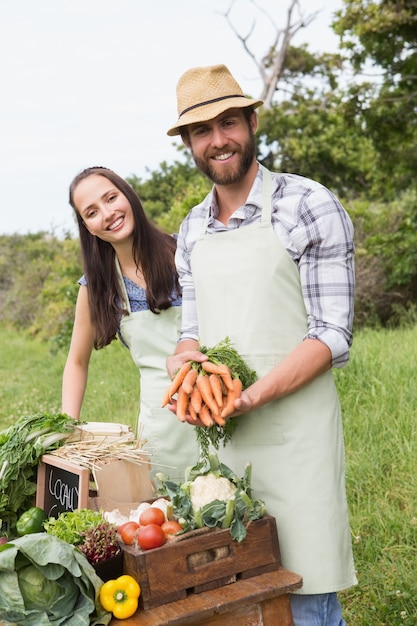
<point x="321" y="609"/>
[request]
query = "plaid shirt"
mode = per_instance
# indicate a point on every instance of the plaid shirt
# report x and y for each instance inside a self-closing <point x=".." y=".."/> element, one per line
<point x="316" y="231"/>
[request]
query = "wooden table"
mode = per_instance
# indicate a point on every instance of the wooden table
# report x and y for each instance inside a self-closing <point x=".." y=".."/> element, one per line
<point x="259" y="601"/>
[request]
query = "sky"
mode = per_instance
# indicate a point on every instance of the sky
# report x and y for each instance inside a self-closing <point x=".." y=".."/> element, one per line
<point x="92" y="82"/>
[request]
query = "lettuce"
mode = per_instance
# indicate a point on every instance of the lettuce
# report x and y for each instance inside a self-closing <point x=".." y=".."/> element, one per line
<point x="45" y="581"/>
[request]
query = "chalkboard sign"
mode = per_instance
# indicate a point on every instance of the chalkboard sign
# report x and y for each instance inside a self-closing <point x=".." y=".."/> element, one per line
<point x="61" y="485"/>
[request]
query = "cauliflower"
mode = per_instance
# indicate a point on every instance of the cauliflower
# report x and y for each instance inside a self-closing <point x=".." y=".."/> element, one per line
<point x="207" y="488"/>
<point x="212" y="495"/>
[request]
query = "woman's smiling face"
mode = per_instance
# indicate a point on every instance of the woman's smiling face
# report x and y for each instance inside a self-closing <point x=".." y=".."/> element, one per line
<point x="104" y="209"/>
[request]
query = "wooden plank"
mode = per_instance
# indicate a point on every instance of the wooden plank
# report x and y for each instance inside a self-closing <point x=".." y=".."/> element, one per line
<point x="222" y="606"/>
<point x="277" y="611"/>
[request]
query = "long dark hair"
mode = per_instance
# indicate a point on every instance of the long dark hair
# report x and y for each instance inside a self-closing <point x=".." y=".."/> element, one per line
<point x="152" y="250"/>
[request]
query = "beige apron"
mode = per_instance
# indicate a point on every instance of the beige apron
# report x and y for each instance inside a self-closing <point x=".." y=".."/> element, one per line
<point x="248" y="289"/>
<point x="151" y="338"/>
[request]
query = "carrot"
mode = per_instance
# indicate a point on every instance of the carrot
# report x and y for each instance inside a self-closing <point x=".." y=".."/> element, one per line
<point x="176" y="382"/>
<point x="216" y="388"/>
<point x="166" y="398"/>
<point x="221" y="421"/>
<point x="189" y="380"/>
<point x="193" y="413"/>
<point x="203" y="384"/>
<point x="222" y="370"/>
<point x="213" y="368"/>
<point x="205" y="416"/>
<point x="182" y="404"/>
<point x="195" y="399"/>
<point x="229" y="407"/>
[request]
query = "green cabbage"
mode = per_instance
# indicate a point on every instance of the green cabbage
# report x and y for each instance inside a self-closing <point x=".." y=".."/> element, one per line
<point x="41" y="594"/>
<point x="45" y="581"/>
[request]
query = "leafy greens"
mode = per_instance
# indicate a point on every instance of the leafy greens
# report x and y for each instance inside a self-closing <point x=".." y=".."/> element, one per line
<point x="48" y="582"/>
<point x="21" y="447"/>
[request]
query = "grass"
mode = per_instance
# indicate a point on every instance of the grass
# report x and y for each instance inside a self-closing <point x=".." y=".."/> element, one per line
<point x="379" y="397"/>
<point x="31" y="381"/>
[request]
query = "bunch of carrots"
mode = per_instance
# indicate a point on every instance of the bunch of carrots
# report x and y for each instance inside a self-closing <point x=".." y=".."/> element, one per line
<point x="207" y="391"/>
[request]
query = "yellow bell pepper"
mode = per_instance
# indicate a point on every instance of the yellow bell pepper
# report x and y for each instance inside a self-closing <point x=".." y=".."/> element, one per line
<point x="120" y="596"/>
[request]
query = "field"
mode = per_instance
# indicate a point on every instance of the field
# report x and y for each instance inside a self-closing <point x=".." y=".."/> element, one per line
<point x="379" y="399"/>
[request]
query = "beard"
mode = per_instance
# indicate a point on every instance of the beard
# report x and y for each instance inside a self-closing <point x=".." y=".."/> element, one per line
<point x="233" y="174"/>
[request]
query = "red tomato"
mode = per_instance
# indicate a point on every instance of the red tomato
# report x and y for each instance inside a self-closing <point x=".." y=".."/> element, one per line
<point x="120" y="528"/>
<point x="151" y="536"/>
<point x="152" y="515"/>
<point x="128" y="532"/>
<point x="171" y="528"/>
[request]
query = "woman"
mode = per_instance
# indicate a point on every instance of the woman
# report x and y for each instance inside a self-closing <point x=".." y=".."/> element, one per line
<point x="130" y="289"/>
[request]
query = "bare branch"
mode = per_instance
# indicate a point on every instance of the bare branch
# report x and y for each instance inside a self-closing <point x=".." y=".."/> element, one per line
<point x="272" y="64"/>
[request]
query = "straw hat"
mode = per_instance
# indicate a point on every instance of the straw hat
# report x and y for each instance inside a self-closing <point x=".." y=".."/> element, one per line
<point x="205" y="92"/>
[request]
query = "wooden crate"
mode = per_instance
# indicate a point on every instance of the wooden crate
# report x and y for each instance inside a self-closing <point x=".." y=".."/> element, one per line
<point x="202" y="560"/>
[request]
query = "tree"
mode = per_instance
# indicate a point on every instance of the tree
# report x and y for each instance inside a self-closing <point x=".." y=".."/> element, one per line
<point x="311" y="123"/>
<point x="171" y="191"/>
<point x="381" y="37"/>
<point x="273" y="64"/>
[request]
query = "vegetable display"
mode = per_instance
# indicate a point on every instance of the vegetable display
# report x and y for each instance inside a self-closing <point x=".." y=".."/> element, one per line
<point x="120" y="596"/>
<point x="213" y="495"/>
<point x="21" y="447"/>
<point x="48" y="582"/>
<point x="207" y="391"/>
<point x="88" y="530"/>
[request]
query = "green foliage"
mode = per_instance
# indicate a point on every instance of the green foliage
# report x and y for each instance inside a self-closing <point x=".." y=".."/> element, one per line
<point x="386" y="260"/>
<point x="192" y="194"/>
<point x="381" y="36"/>
<point x="39" y="289"/>
<point x="170" y="191"/>
<point x="343" y="157"/>
<point x="396" y="242"/>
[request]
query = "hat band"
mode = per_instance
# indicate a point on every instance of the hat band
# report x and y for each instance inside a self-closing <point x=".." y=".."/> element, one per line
<point x="201" y="104"/>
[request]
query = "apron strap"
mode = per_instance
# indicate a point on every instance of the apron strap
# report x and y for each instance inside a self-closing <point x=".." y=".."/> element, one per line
<point x="266" y="195"/>
<point x="125" y="303"/>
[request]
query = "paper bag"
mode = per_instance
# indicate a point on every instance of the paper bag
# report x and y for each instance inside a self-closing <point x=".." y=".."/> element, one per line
<point x="123" y="481"/>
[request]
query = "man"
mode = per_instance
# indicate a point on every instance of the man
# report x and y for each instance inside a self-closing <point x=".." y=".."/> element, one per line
<point x="267" y="260"/>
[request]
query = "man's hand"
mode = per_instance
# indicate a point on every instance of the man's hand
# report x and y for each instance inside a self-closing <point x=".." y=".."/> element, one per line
<point x="187" y="350"/>
<point x="175" y="361"/>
